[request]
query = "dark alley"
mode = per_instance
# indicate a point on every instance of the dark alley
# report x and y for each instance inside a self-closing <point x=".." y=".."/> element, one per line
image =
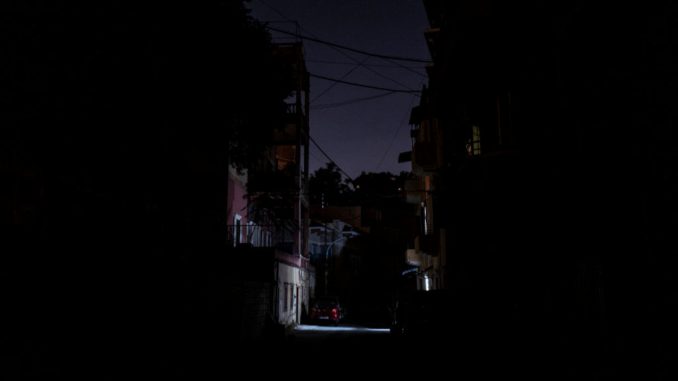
<point x="388" y="188"/>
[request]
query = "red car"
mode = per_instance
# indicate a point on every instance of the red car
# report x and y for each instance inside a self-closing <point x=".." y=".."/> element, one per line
<point x="326" y="309"/>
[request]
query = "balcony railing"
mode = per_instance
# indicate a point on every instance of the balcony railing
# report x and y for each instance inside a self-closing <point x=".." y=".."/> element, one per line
<point x="294" y="109"/>
<point x="274" y="181"/>
<point x="261" y="236"/>
<point x="291" y="108"/>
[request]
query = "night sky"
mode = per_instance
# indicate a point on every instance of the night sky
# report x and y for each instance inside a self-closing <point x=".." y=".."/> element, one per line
<point x="366" y="135"/>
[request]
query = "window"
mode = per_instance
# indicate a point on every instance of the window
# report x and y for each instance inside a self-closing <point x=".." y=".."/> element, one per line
<point x="473" y="144"/>
<point x="476" y="140"/>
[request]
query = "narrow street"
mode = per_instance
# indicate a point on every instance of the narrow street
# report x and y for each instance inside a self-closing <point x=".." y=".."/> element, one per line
<point x="343" y="334"/>
<point x="455" y="188"/>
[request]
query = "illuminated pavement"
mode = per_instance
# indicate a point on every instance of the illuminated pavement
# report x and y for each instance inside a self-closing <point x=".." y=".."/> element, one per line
<point x="344" y="333"/>
<point x="322" y="328"/>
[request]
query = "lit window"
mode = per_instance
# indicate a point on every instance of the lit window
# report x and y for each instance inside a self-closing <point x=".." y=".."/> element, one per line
<point x="476" y="140"/>
<point x="473" y="143"/>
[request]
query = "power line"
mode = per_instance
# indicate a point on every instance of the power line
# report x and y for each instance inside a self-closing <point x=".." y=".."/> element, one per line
<point x="320" y="160"/>
<point x="328" y="62"/>
<point x="343" y="53"/>
<point x="384" y="56"/>
<point x="364" y="85"/>
<point x="338" y="49"/>
<point x="370" y="55"/>
<point x="350" y="101"/>
<point x="330" y="158"/>
<point x="390" y="145"/>
<point x="389" y="78"/>
<point x="330" y="87"/>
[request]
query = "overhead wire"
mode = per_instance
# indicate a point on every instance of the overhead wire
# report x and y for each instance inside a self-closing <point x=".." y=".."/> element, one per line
<point x="400" y="126"/>
<point x="340" y="49"/>
<point x="363" y="85"/>
<point x="344" y="47"/>
<point x="330" y="158"/>
<point x="330" y="87"/>
<point x="330" y="62"/>
<point x="346" y="54"/>
<point x="350" y="101"/>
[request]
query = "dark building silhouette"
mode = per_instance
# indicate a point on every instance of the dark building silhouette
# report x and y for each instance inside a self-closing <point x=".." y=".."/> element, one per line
<point x="544" y="153"/>
<point x="120" y="122"/>
<point x="277" y="202"/>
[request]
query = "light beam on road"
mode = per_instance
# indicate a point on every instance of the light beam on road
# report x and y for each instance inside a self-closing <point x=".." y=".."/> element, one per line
<point x="320" y="328"/>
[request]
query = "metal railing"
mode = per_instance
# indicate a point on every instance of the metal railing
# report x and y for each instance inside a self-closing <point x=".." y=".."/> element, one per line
<point x="293" y="109"/>
<point x="260" y="235"/>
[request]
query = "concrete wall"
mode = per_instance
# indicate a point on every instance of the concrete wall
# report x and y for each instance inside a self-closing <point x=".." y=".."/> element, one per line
<point x="237" y="202"/>
<point x="289" y="294"/>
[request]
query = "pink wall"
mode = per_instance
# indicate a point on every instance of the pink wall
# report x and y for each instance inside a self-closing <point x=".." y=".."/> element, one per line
<point x="236" y="201"/>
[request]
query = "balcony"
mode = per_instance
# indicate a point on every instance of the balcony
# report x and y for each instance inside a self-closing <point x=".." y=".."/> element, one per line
<point x="272" y="182"/>
<point x="270" y="236"/>
<point x="294" y="109"/>
<point x="288" y="135"/>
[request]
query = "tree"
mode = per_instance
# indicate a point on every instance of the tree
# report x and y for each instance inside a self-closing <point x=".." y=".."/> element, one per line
<point x="378" y="189"/>
<point x="327" y="187"/>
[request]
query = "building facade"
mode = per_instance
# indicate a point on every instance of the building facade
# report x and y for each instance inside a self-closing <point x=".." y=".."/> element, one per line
<point x="268" y="205"/>
<point x="533" y="168"/>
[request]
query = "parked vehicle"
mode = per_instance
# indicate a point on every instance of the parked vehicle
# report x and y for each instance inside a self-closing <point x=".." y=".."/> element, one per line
<point x="326" y="310"/>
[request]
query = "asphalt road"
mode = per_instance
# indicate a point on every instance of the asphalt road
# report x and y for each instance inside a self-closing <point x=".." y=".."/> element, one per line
<point x="322" y="334"/>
